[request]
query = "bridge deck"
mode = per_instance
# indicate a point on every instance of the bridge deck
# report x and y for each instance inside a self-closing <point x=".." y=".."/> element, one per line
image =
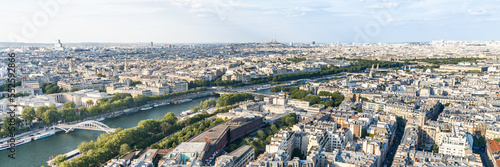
<point x="87" y="125"/>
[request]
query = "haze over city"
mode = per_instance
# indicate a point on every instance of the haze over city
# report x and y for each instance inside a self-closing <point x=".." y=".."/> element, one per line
<point x="228" y="21"/>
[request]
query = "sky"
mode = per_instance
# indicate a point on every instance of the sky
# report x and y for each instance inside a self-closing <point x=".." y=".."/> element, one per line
<point x="238" y="21"/>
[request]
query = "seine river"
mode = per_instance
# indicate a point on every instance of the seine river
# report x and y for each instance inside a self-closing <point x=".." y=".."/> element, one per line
<point x="37" y="153"/>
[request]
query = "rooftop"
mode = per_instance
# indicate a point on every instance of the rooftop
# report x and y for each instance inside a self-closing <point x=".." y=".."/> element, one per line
<point x="190" y="147"/>
<point x="213" y="134"/>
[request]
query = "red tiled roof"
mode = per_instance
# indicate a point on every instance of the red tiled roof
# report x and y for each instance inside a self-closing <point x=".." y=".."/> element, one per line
<point x="494" y="145"/>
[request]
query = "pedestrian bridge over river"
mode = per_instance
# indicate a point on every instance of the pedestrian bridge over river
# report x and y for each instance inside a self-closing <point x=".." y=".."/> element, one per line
<point x="87" y="125"/>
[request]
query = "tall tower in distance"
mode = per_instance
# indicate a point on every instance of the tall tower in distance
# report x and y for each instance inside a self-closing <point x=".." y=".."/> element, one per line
<point x="151" y="43"/>
<point x="126" y="67"/>
<point x="58" y="46"/>
<point x="371" y="72"/>
<point x="71" y="65"/>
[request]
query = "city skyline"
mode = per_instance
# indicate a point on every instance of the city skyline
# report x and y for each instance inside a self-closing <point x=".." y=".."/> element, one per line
<point x="235" y="21"/>
<point x="233" y="83"/>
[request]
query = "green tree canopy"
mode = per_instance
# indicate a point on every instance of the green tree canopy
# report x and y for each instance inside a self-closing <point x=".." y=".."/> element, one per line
<point x="39" y="112"/>
<point x="28" y="114"/>
<point x="70" y="104"/>
<point x="229" y="99"/>
<point x="170" y="118"/>
<point x="124" y="149"/>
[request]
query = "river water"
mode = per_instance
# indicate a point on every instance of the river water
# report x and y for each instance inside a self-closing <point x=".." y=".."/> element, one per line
<point x="37" y="153"/>
<point x="264" y="91"/>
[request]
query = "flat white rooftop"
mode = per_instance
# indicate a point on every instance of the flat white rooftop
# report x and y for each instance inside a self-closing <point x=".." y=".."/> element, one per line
<point x="190" y="147"/>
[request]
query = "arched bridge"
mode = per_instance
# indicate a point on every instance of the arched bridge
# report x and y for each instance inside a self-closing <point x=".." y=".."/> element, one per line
<point x="88" y="125"/>
<point x="239" y="91"/>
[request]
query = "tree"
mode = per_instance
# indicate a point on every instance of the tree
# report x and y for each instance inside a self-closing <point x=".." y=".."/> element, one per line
<point x="204" y="112"/>
<point x="5" y="87"/>
<point x="312" y="99"/>
<point x="84" y="146"/>
<point x="94" y="110"/>
<point x="140" y="100"/>
<point x="73" y="89"/>
<point x="229" y="99"/>
<point x="165" y="127"/>
<point x="150" y="125"/>
<point x="261" y="134"/>
<point x="89" y="103"/>
<point x="7" y="123"/>
<point x="70" y="104"/>
<point x="133" y="83"/>
<point x="260" y="97"/>
<point x="275" y="89"/>
<point x="28" y="114"/>
<point x="274" y="129"/>
<point x="51" y="88"/>
<point x="59" y="158"/>
<point x="324" y="93"/>
<point x="207" y="103"/>
<point x="21" y="94"/>
<point x="52" y="106"/>
<point x="51" y="116"/>
<point x="83" y="111"/>
<point x="3" y="132"/>
<point x="39" y="112"/>
<point x="195" y="109"/>
<point x="290" y="121"/>
<point x="102" y="100"/>
<point x="296" y="59"/>
<point x="124" y="149"/>
<point x="68" y="114"/>
<point x="170" y="118"/>
<point x="119" y="96"/>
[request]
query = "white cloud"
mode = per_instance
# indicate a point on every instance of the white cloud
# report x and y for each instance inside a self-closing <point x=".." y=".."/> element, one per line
<point x="291" y="12"/>
<point x="287" y="17"/>
<point x="204" y="8"/>
<point x="384" y="5"/>
<point x="100" y="2"/>
<point x="477" y="12"/>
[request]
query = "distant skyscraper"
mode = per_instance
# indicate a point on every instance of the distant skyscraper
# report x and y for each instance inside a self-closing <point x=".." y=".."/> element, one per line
<point x="58" y="46"/>
<point x="151" y="43"/>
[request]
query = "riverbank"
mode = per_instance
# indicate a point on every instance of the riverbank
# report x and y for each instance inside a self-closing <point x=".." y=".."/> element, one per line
<point x="38" y="153"/>
<point x="30" y="136"/>
<point x="152" y="103"/>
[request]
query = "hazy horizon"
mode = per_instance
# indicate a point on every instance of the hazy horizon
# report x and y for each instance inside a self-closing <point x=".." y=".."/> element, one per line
<point x="237" y="21"/>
